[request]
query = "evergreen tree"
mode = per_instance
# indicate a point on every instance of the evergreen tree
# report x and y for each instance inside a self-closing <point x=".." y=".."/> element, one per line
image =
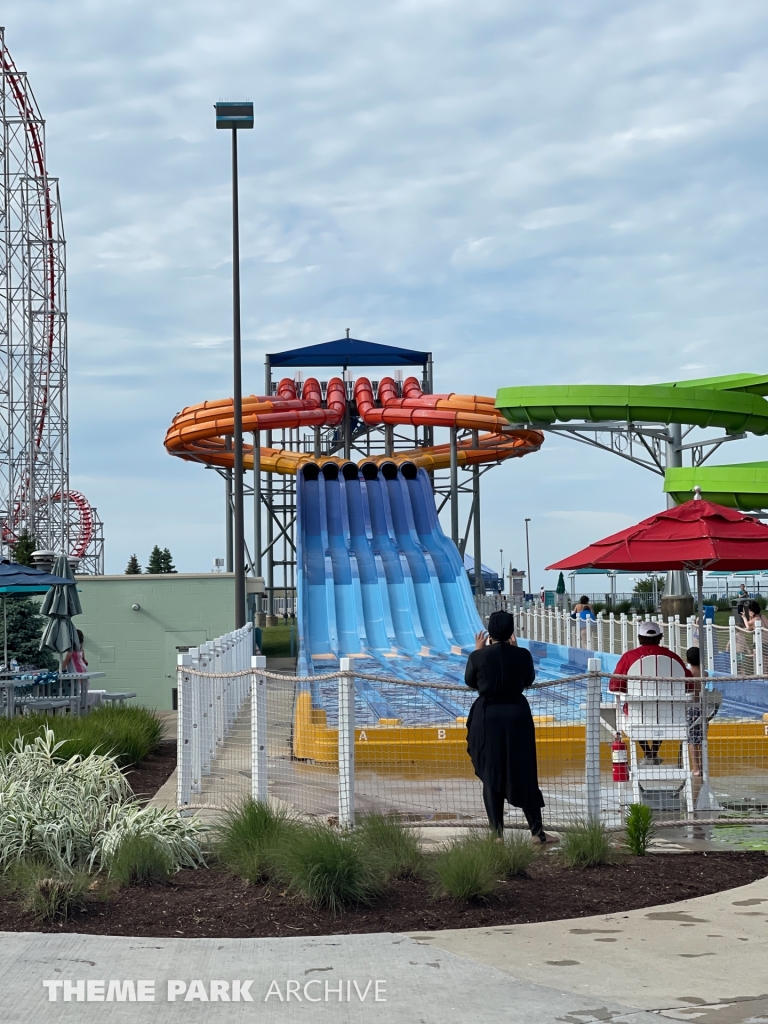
<point x="167" y="561"/>
<point x="133" y="568"/>
<point x="25" y="627"/>
<point x="155" y="563"/>
<point x="23" y="548"/>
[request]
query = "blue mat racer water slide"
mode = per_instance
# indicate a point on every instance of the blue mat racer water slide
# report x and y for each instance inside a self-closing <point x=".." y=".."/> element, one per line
<point x="379" y="582"/>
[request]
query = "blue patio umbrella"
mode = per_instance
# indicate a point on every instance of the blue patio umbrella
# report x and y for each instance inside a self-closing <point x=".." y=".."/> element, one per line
<point x="23" y="579"/>
<point x="59" y="605"/>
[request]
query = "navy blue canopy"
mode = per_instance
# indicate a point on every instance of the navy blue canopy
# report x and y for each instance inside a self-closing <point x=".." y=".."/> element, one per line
<point x="23" y="579"/>
<point x="349" y="352"/>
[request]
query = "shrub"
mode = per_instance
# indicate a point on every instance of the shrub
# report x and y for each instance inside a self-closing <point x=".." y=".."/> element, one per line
<point x="330" y="869"/>
<point x="140" y="857"/>
<point x="723" y="604"/>
<point x="468" y="869"/>
<point x="586" y="844"/>
<point x="394" y="846"/>
<point x="75" y="813"/>
<point x="48" y="893"/>
<point x="516" y="855"/>
<point x="639" y="829"/>
<point x="128" y="734"/>
<point x="247" y="839"/>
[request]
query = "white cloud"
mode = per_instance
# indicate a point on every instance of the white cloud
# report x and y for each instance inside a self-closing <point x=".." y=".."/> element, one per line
<point x="534" y="192"/>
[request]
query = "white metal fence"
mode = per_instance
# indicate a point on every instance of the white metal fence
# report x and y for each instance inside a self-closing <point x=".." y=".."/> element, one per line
<point x="728" y="650"/>
<point x="214" y="684"/>
<point x="350" y="742"/>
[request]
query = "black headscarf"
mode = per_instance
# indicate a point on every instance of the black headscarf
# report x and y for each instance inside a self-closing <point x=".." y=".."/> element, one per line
<point x="501" y="626"/>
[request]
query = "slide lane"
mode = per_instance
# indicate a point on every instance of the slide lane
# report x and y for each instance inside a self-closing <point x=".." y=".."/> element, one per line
<point x="378" y="580"/>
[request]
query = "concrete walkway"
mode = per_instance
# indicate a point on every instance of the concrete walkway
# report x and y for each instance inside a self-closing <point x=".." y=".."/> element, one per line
<point x="417" y="985"/>
<point x="704" y="960"/>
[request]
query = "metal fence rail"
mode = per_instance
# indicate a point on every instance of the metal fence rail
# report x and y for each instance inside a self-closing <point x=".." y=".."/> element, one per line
<point x="336" y="745"/>
<point x="727" y="650"/>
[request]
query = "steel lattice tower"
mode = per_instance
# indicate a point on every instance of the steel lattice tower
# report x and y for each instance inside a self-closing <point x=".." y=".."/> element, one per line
<point x="34" y="428"/>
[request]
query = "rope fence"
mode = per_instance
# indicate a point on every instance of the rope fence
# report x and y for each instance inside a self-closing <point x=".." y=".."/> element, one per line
<point x="333" y="746"/>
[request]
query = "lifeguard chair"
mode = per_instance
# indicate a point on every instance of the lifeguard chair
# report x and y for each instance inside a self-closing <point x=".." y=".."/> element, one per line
<point x="656" y="711"/>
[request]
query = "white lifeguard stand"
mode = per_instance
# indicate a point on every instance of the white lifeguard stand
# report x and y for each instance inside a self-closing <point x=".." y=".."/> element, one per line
<point x="657" y="711"/>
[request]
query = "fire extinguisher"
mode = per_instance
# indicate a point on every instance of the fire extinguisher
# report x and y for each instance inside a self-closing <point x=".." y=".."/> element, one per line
<point x="619" y="759"/>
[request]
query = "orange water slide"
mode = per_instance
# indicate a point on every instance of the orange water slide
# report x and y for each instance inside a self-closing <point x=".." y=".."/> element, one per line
<point x="202" y="433"/>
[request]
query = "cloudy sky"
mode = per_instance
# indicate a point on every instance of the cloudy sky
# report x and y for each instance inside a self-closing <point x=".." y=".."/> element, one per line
<point x="537" y="192"/>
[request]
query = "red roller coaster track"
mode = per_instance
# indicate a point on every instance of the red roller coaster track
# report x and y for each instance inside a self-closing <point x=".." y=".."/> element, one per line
<point x="42" y="373"/>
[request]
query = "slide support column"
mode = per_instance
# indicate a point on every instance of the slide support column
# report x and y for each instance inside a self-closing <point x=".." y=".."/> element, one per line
<point x="477" y="555"/>
<point x="257" y="502"/>
<point x="454" y="488"/>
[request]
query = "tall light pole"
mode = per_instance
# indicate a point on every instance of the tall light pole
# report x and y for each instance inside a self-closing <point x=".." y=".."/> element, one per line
<point x="234" y="116"/>
<point x="528" y="555"/>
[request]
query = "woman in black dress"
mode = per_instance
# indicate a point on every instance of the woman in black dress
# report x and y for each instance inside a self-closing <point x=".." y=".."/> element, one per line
<point x="500" y="735"/>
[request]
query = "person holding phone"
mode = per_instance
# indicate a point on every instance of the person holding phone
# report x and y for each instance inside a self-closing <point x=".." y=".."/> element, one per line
<point x="501" y="739"/>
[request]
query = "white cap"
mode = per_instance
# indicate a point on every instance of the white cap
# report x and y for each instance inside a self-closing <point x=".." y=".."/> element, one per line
<point x="649" y="629"/>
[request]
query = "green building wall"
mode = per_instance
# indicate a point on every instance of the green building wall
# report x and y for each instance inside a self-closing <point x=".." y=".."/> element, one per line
<point x="137" y="648"/>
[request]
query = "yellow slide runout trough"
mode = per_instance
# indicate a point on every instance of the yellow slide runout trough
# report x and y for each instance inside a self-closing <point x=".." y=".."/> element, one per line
<point x="734" y="747"/>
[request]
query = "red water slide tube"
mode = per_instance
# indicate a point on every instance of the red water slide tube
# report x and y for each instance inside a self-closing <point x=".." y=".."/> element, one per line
<point x="202" y="433"/>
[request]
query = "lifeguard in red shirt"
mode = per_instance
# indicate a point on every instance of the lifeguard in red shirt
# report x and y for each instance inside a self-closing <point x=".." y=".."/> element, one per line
<point x="650" y="635"/>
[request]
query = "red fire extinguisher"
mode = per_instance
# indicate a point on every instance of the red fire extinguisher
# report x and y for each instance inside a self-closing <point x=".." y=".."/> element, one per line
<point x="619" y="759"/>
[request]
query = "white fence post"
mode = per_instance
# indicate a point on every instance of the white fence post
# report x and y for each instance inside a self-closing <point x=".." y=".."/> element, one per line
<point x="559" y="627"/>
<point x="732" y="645"/>
<point x="710" y="646"/>
<point x="259" y="781"/>
<point x="196" y="731"/>
<point x="624" y="638"/>
<point x="184" y="704"/>
<point x="346" y="744"/>
<point x="612" y="634"/>
<point x="593" y="739"/>
<point x="758" y="648"/>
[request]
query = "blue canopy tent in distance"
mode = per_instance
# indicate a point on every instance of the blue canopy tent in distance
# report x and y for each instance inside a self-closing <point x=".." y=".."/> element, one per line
<point x="493" y="582"/>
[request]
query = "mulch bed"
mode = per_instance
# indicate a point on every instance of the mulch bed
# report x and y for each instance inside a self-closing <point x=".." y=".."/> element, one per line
<point x="146" y="778"/>
<point x="214" y="904"/>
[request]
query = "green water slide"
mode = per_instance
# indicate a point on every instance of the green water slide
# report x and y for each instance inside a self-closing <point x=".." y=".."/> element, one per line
<point x="735" y="403"/>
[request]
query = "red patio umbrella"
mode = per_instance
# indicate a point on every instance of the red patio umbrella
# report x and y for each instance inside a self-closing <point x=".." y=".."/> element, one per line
<point x="697" y="535"/>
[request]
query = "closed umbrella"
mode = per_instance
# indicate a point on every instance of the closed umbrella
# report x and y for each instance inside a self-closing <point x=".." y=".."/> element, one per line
<point x="59" y="605"/>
